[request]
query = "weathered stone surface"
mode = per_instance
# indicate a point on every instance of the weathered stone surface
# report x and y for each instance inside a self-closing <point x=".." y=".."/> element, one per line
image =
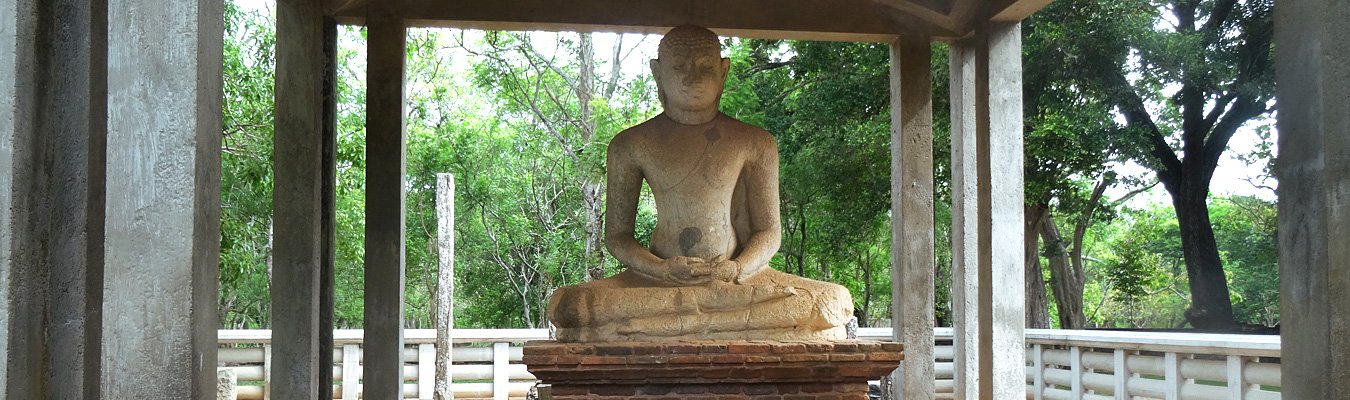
<point x="711" y="369"/>
<point x="715" y="179"/>
<point x="227" y="384"/>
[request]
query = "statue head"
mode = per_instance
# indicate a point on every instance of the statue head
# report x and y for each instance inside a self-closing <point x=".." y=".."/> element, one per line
<point x="690" y="74"/>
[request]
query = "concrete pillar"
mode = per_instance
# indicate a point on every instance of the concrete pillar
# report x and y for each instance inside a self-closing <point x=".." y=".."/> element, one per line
<point x="54" y="131"/>
<point x="987" y="212"/>
<point x="21" y="299"/>
<point x="163" y="203"/>
<point x="297" y="201"/>
<point x="912" y="214"/>
<point x="1003" y="309"/>
<point x="73" y="140"/>
<point x="1313" y="83"/>
<point x="965" y="239"/>
<point x="328" y="231"/>
<point x="383" y="350"/>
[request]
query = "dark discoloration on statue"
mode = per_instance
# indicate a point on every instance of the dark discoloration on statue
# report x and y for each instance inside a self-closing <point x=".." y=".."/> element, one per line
<point x="705" y="273"/>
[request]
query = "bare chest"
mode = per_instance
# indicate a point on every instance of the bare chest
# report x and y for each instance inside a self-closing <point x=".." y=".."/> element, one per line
<point x="694" y="163"/>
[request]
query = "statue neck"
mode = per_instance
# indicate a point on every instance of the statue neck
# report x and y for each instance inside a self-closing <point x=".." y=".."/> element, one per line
<point x="692" y="117"/>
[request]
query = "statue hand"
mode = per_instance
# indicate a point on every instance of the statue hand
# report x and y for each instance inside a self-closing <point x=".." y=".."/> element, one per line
<point x="685" y="271"/>
<point x="725" y="270"/>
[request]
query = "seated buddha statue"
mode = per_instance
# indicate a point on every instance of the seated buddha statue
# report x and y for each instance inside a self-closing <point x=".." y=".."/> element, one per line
<point x="705" y="273"/>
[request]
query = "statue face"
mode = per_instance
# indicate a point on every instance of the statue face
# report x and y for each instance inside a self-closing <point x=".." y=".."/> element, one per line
<point x="690" y="79"/>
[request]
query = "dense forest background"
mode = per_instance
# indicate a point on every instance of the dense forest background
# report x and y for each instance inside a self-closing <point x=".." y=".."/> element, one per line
<point x="1130" y="108"/>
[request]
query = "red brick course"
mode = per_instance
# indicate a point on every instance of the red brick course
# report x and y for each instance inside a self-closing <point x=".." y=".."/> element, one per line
<point x="710" y="370"/>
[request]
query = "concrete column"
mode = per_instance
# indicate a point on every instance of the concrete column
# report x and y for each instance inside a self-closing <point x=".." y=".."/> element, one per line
<point x="328" y="235"/>
<point x="987" y="213"/>
<point x="73" y="140"/>
<point x="163" y="203"/>
<point x="912" y="214"/>
<point x="965" y="238"/>
<point x="54" y="132"/>
<point x="297" y="201"/>
<point x="1003" y="294"/>
<point x="1313" y="83"/>
<point x="21" y="300"/>
<point x="383" y="349"/>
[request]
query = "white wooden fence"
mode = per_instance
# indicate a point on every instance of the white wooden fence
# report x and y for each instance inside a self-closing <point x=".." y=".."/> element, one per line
<point x="1062" y="364"/>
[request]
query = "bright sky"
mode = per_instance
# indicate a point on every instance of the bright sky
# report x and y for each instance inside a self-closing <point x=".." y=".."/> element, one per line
<point x="1231" y="178"/>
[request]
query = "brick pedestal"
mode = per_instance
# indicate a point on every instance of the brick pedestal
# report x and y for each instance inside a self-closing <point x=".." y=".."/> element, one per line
<point x="760" y="370"/>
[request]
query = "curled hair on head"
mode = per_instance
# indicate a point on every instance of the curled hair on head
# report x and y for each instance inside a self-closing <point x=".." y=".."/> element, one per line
<point x="688" y="37"/>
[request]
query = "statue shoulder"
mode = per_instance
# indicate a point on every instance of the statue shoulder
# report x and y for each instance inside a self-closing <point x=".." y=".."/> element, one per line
<point x="754" y="134"/>
<point x="625" y="140"/>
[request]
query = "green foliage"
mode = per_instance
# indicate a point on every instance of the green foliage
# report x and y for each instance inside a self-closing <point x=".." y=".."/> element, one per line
<point x="246" y="169"/>
<point x="1138" y="277"/>
<point x="504" y="113"/>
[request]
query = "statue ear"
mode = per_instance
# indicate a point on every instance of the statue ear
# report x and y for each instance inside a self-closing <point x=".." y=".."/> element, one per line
<point x="655" y="65"/>
<point x="726" y="68"/>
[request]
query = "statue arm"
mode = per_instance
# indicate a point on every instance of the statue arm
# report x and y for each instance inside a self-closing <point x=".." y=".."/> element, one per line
<point x="760" y="175"/>
<point x="621" y="198"/>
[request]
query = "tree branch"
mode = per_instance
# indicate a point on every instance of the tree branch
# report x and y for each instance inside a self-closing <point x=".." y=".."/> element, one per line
<point x="1137" y="117"/>
<point x="1219" y="15"/>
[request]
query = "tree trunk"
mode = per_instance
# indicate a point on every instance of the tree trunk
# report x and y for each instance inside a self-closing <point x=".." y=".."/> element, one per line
<point x="864" y="319"/>
<point x="445" y="282"/>
<point x="592" y="187"/>
<point x="1210" y="305"/>
<point x="1037" y="306"/>
<point x="1065" y="279"/>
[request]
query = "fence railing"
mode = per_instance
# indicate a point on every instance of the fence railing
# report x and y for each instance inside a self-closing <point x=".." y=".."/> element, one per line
<point x="1151" y="365"/>
<point x="1061" y="364"/>
<point x="487" y="368"/>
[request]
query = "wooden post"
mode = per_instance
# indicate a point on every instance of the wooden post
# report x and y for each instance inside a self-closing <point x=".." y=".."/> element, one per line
<point x="1313" y="167"/>
<point x="385" y="170"/>
<point x="445" y="283"/>
<point x="297" y="200"/>
<point x="912" y="271"/>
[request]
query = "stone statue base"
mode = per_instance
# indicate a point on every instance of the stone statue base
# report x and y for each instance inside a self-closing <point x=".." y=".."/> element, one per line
<point x="710" y="369"/>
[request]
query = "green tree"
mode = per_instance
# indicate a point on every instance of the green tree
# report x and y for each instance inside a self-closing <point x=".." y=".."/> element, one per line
<point x="246" y="169"/>
<point x="1217" y="57"/>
